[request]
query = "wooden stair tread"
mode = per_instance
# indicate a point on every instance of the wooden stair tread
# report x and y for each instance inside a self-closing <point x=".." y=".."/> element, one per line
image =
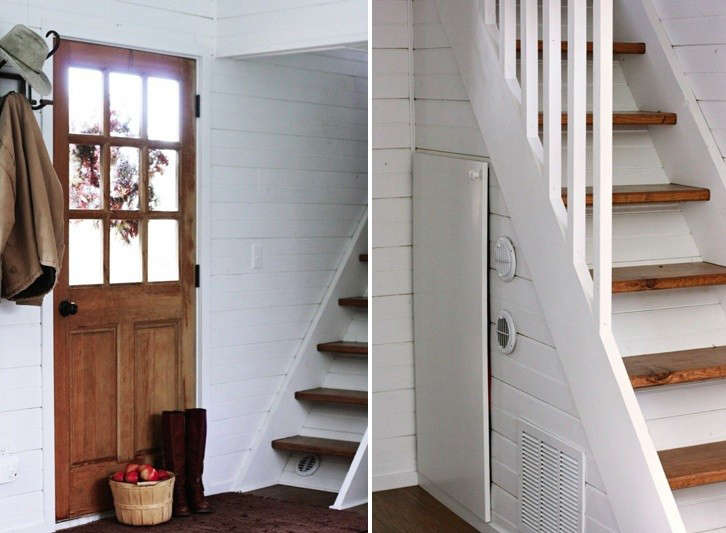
<point x="630" y="118"/>
<point x="345" y="347"/>
<point x="618" y="47"/>
<point x="644" y="194"/>
<point x="363" y="258"/>
<point x="676" y="367"/>
<point x="298" y="443"/>
<point x="675" y="276"/>
<point x="338" y="396"/>
<point x="692" y="466"/>
<point x="354" y="301"/>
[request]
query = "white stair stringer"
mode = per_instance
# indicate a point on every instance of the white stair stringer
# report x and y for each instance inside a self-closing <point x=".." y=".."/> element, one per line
<point x="616" y="431"/>
<point x="310" y="368"/>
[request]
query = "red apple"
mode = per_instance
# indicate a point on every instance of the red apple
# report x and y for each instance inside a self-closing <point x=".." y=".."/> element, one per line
<point x="163" y="475"/>
<point x="132" y="467"/>
<point x="118" y="476"/>
<point x="148" y="473"/>
<point x="132" y="477"/>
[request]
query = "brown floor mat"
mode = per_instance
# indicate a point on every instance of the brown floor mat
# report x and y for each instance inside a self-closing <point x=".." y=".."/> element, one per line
<point x="235" y="512"/>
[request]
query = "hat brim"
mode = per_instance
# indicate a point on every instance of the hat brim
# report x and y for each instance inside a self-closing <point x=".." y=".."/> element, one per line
<point x="37" y="80"/>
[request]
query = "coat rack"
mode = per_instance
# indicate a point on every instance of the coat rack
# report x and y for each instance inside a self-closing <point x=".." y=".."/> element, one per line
<point x="23" y="86"/>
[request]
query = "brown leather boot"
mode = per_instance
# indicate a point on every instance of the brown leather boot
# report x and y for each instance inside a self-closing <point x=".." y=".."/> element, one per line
<point x="174" y="436"/>
<point x="196" y="441"/>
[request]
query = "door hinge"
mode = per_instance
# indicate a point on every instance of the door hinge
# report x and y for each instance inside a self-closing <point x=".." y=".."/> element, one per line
<point x="197" y="275"/>
<point x="198" y="105"/>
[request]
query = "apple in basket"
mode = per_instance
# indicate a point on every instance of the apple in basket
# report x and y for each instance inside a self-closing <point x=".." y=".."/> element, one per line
<point x="131" y="477"/>
<point x="132" y="467"/>
<point x="148" y="473"/>
<point x="163" y="475"/>
<point x="118" y="476"/>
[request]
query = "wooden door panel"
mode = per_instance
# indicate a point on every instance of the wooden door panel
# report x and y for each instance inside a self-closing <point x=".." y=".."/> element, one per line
<point x="156" y="360"/>
<point x="93" y="395"/>
<point x="89" y="488"/>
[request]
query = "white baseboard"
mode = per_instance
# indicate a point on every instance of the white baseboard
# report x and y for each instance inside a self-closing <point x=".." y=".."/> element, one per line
<point x="397" y="480"/>
<point x="454" y="506"/>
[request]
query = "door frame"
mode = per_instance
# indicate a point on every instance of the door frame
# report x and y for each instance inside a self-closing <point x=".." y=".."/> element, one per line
<point x="203" y="168"/>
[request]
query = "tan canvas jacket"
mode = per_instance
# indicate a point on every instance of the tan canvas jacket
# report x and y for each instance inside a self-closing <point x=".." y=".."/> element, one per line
<point x="31" y="207"/>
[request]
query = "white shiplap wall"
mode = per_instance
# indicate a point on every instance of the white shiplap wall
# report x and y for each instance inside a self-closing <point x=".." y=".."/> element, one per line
<point x="179" y="27"/>
<point x="697" y="31"/>
<point x="257" y="27"/>
<point x="289" y="174"/>
<point x="394" y="444"/>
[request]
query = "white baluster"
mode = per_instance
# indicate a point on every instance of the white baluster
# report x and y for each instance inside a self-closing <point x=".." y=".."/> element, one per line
<point x="507" y="38"/>
<point x="529" y="60"/>
<point x="602" y="174"/>
<point x="576" y="127"/>
<point x="552" y="96"/>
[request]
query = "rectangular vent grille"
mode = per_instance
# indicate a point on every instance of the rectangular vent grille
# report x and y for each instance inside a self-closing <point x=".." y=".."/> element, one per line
<point x="552" y="483"/>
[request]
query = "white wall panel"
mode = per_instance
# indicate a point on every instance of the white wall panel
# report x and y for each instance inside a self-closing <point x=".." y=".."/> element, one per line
<point x="394" y="458"/>
<point x="249" y="28"/>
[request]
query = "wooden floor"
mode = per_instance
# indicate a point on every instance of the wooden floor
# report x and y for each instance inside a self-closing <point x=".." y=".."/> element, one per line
<point x="317" y="498"/>
<point x="413" y="510"/>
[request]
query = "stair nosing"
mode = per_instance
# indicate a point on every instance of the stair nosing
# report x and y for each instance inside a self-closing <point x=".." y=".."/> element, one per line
<point x="692" y="477"/>
<point x="649" y="194"/>
<point x="667" y="368"/>
<point x="333" y="396"/>
<point x="344" y="347"/>
<point x="676" y="281"/>
<point x="286" y="444"/>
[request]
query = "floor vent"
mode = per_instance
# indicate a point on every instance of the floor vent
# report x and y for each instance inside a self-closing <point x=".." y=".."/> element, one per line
<point x="552" y="484"/>
<point x="307" y="465"/>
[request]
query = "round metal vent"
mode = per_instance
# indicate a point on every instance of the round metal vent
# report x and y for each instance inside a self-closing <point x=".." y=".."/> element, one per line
<point x="506" y="332"/>
<point x="505" y="259"/>
<point x="308" y="465"/>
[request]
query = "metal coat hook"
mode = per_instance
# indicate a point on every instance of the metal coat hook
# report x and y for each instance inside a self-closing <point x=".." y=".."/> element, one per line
<point x="40" y="104"/>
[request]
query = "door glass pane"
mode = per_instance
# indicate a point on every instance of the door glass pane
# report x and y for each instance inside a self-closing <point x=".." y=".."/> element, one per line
<point x="125" y="102"/>
<point x="163" y="109"/>
<point x="124" y="178"/>
<point x="163" y="180"/>
<point x="85" y="101"/>
<point x="125" y="252"/>
<point x="163" y="250"/>
<point x="85" y="255"/>
<point x="84" y="174"/>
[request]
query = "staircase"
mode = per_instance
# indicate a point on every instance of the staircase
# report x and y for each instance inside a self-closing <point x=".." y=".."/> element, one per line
<point x="653" y="301"/>
<point x="316" y="433"/>
<point x="335" y="411"/>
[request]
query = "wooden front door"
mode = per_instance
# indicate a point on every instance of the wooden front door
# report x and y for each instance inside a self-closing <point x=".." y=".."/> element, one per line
<point x="124" y="149"/>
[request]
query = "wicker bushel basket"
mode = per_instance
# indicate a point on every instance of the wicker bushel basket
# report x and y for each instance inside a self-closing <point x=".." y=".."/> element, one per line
<point x="142" y="505"/>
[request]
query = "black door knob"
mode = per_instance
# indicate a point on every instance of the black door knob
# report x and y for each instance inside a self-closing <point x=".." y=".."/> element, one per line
<point x="66" y="308"/>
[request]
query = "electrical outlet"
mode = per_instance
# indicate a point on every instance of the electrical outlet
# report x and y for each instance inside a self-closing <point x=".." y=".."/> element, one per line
<point x="9" y="468"/>
<point x="256" y="256"/>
